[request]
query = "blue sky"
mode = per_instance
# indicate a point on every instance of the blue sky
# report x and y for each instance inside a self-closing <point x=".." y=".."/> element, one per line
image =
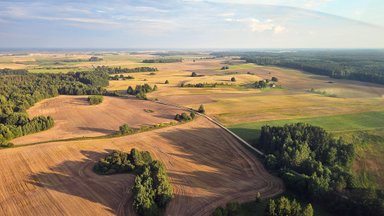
<point x="192" y="24"/>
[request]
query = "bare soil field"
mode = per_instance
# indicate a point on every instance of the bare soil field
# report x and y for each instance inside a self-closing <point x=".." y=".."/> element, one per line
<point x="74" y="117"/>
<point x="207" y="168"/>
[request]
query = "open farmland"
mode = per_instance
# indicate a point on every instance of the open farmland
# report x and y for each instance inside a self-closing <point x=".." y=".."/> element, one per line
<point x="74" y="117"/>
<point x="207" y="168"/>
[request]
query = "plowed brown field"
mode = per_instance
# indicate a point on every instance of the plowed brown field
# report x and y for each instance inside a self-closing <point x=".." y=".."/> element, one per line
<point x="74" y="117"/>
<point x="207" y="168"/>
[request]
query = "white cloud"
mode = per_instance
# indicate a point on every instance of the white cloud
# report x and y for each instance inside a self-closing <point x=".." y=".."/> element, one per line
<point x="256" y="25"/>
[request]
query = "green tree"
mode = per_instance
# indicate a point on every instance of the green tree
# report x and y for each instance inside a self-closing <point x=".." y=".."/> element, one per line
<point x="308" y="210"/>
<point x="166" y="82"/>
<point x="233" y="79"/>
<point x="201" y="109"/>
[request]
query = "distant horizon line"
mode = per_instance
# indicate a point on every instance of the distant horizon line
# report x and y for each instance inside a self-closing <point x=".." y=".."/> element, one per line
<point x="58" y="49"/>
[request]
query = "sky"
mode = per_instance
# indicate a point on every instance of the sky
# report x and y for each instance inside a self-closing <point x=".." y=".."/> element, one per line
<point x="192" y="24"/>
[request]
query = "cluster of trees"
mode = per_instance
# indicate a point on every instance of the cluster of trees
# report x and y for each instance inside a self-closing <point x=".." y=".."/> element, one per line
<point x="119" y="70"/>
<point x="163" y="60"/>
<point x="141" y="90"/>
<point x="95" y="99"/>
<point x="322" y="161"/>
<point x="361" y="65"/>
<point x="266" y="83"/>
<point x="20" y="92"/>
<point x="286" y="207"/>
<point x="95" y="59"/>
<point x="224" y="68"/>
<point x="7" y="71"/>
<point x="152" y="190"/>
<point x="184" y="117"/>
<point x="121" y="77"/>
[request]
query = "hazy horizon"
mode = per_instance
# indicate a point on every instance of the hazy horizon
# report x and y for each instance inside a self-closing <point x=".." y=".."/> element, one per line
<point x="192" y="24"/>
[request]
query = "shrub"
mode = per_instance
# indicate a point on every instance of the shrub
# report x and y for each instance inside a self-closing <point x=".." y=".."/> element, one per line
<point x="194" y="74"/>
<point x="233" y="79"/>
<point x="274" y="79"/>
<point x="95" y="99"/>
<point x="166" y="82"/>
<point x="125" y="129"/>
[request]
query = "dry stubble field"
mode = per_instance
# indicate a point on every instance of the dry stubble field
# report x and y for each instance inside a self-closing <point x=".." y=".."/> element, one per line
<point x="207" y="168"/>
<point x="74" y="117"/>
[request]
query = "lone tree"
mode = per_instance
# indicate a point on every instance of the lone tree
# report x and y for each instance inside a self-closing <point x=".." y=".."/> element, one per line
<point x="274" y="79"/>
<point x="201" y="109"/>
<point x="166" y="82"/>
<point x="194" y="74"/>
<point x="130" y="91"/>
<point x="233" y="79"/>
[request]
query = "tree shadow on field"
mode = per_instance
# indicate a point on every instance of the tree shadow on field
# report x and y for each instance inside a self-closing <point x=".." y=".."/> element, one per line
<point x="78" y="101"/>
<point x="99" y="130"/>
<point x="77" y="178"/>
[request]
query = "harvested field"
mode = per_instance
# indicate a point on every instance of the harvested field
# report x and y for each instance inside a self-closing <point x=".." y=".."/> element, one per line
<point x="207" y="168"/>
<point x="74" y="117"/>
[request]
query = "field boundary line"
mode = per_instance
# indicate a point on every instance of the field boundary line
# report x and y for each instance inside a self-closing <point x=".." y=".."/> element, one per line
<point x="218" y="124"/>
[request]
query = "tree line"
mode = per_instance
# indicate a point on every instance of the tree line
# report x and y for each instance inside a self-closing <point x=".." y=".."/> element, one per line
<point x="361" y="65"/>
<point x="151" y="190"/>
<point x="119" y="70"/>
<point x="163" y="60"/>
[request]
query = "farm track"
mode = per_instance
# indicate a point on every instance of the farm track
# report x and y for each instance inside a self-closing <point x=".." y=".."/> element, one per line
<point x="207" y="167"/>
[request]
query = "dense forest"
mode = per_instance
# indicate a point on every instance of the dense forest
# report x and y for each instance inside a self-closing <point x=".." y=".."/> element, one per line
<point x="119" y="70"/>
<point x="317" y="167"/>
<point x="152" y="190"/>
<point x="361" y="65"/>
<point x="20" y="92"/>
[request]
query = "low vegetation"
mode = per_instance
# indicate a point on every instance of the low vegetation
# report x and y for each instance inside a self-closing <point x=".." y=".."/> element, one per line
<point x="324" y="93"/>
<point x="151" y="190"/>
<point x="95" y="99"/>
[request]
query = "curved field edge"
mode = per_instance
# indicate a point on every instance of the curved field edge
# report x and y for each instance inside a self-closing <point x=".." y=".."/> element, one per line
<point x="207" y="168"/>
